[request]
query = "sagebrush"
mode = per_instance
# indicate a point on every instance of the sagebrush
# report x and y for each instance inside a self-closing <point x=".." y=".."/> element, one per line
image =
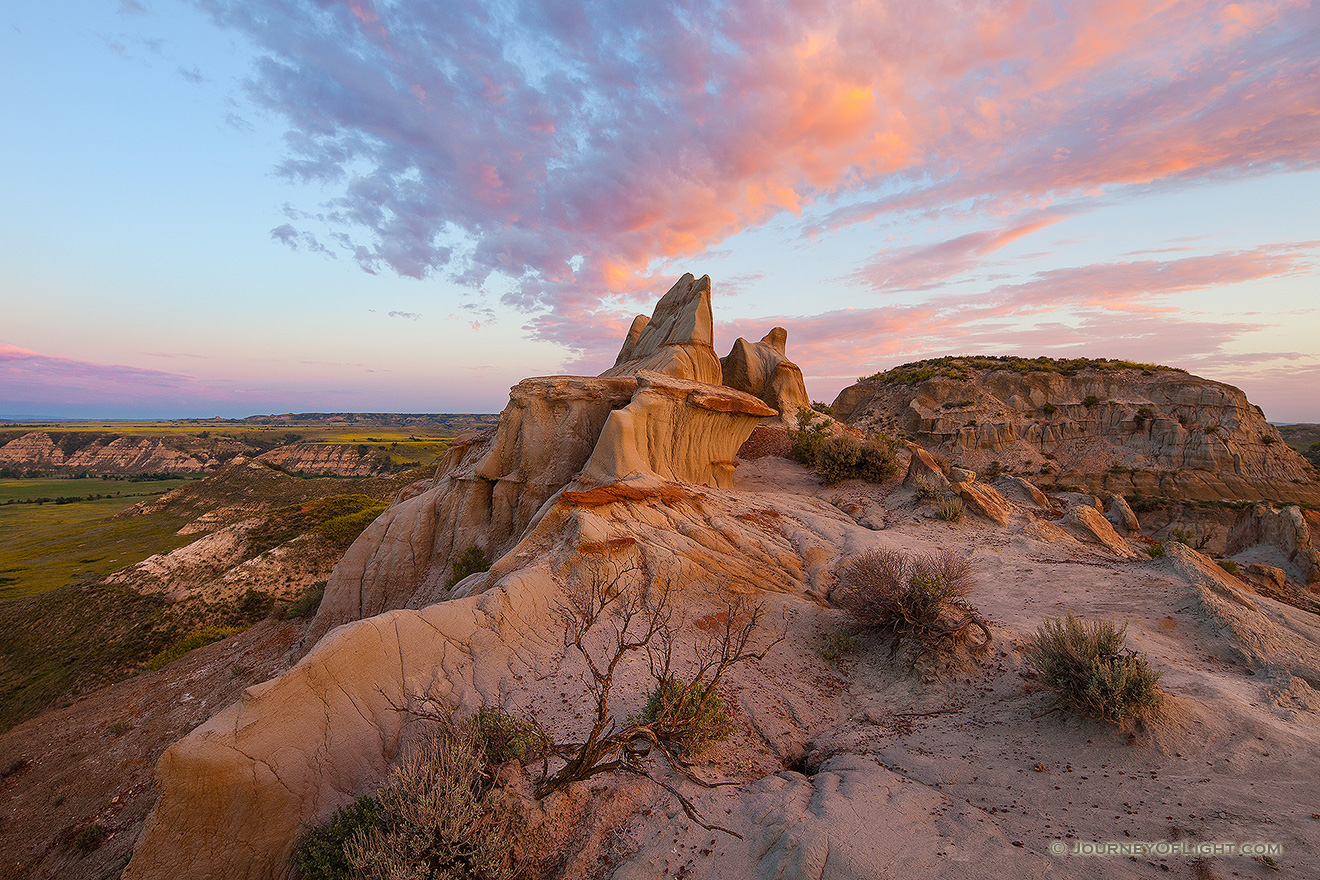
<point x="438" y="816"/>
<point x="1091" y="672"/>
<point x="912" y="596"/>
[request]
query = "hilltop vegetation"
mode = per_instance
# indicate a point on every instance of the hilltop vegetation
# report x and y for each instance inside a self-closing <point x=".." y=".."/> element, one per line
<point x="960" y="367"/>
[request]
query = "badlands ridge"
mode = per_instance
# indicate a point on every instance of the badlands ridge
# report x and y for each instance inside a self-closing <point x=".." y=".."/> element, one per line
<point x="861" y="766"/>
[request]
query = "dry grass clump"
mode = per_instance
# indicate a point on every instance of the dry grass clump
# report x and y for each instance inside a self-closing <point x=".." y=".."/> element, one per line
<point x="1091" y="671"/>
<point x="437" y="816"/>
<point x="951" y="509"/>
<point x="917" y="597"/>
<point x="926" y="488"/>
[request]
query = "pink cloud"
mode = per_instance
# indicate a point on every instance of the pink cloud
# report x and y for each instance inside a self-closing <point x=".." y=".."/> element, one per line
<point x="635" y="132"/>
<point x="924" y="266"/>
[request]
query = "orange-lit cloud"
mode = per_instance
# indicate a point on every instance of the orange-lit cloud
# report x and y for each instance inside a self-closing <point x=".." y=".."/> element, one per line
<point x="627" y="134"/>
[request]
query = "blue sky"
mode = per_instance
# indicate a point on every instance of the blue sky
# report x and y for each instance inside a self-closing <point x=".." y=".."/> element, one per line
<point x="214" y="208"/>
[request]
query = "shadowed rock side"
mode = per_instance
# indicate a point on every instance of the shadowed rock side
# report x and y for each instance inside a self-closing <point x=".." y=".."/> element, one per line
<point x="1126" y="430"/>
<point x="762" y="369"/>
<point x="677" y="340"/>
<point x="1268" y="536"/>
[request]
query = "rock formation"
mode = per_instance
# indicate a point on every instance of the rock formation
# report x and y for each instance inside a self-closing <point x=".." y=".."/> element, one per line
<point x="1265" y="534"/>
<point x="677" y="340"/>
<point x="39" y="451"/>
<point x="633" y="421"/>
<point x="763" y="370"/>
<point x="322" y="459"/>
<point x="1099" y="425"/>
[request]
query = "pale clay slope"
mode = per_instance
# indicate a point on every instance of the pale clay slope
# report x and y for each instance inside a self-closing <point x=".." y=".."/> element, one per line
<point x="908" y="777"/>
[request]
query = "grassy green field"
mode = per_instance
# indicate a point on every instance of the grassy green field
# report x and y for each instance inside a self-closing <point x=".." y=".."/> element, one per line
<point x="18" y="491"/>
<point x="44" y="546"/>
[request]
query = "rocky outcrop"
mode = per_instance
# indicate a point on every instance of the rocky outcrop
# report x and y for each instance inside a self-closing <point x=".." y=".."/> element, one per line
<point x="672" y="424"/>
<point x="237" y="791"/>
<point x="1087" y="524"/>
<point x="1283" y="531"/>
<point x="1119" y="512"/>
<point x="678" y="338"/>
<point x="763" y="370"/>
<point x="984" y="500"/>
<point x="324" y="459"/>
<point x="1099" y="425"/>
<point x="923" y="466"/>
<point x="66" y="453"/>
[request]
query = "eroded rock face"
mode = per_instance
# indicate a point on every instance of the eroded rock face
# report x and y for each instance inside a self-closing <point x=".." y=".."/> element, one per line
<point x="922" y="465"/>
<point x="236" y="792"/>
<point x="489" y="489"/>
<point x="763" y="370"/>
<point x="677" y="430"/>
<point x="329" y="459"/>
<point x="1088" y="524"/>
<point x="1285" y="530"/>
<point x="984" y="500"/>
<point x="677" y="340"/>
<point x="38" y="451"/>
<point x="1124" y="430"/>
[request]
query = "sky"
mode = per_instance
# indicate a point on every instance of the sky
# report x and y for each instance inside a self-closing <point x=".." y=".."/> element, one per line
<point x="234" y="208"/>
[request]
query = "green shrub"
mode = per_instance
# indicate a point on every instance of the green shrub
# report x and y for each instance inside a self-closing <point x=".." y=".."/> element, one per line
<point x="1091" y="672"/>
<point x="254" y="605"/>
<point x="192" y="642"/>
<point x="1090" y="401"/>
<point x="822" y="407"/>
<point x="91" y="837"/>
<point x="307" y="604"/>
<point x="1182" y="536"/>
<point x="1155" y="550"/>
<point x="837" y="644"/>
<point x="343" y="530"/>
<point x="1229" y="566"/>
<point x="1049" y="409"/>
<point x="691" y="716"/>
<point x="838" y="457"/>
<point x="506" y="737"/>
<point x="472" y="560"/>
<point x="437" y="816"/>
<point x="878" y="462"/>
<point x="320" y="854"/>
<point x="951" y="509"/>
<point x="808" y="436"/>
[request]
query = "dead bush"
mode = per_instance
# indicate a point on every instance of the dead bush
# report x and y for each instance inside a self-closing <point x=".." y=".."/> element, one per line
<point x="917" y="597"/>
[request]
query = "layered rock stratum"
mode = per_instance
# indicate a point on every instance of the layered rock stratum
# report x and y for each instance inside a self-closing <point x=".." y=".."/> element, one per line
<point x="1105" y="426"/>
<point x="847" y="768"/>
